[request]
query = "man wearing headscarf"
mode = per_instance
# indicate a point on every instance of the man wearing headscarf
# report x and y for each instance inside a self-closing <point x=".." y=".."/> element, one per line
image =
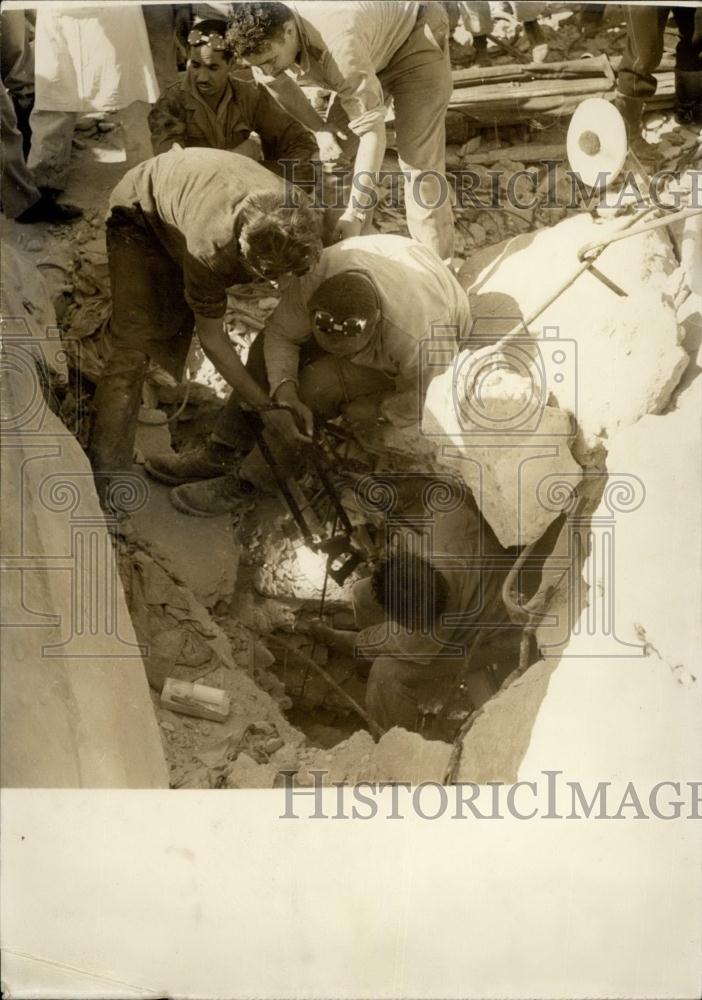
<point x="346" y="338"/>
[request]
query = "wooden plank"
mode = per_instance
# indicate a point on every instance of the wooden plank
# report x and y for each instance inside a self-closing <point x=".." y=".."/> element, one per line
<point x="531" y="153"/>
<point x="582" y="68"/>
<point x="527" y="91"/>
<point x="520" y="100"/>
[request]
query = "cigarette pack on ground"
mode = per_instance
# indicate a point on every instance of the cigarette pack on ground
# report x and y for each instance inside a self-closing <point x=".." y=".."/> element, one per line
<point x="190" y="698"/>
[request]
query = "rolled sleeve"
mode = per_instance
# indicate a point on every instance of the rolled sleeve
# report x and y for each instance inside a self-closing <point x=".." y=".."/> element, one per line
<point x="288" y="328"/>
<point x="205" y="292"/>
<point x="351" y="74"/>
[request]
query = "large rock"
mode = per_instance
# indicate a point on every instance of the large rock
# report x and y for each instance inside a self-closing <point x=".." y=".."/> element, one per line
<point x="397" y="756"/>
<point x="29" y="320"/>
<point x="608" y="359"/>
<point x="494" y="425"/>
<point x="497" y="741"/>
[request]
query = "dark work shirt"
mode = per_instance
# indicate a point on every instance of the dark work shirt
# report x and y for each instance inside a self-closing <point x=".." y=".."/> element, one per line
<point x="181" y="116"/>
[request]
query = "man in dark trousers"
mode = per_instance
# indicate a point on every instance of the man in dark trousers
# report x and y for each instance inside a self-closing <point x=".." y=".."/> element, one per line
<point x="182" y="228"/>
<point x="644" y="50"/>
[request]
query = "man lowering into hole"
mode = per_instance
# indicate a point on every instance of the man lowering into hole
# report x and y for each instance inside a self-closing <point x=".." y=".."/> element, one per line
<point x="431" y="625"/>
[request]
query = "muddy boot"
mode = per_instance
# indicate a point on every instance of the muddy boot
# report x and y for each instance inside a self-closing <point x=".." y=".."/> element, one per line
<point x="688" y="97"/>
<point x="537" y="40"/>
<point x="207" y="461"/>
<point x="631" y="110"/>
<point x="211" y="497"/>
<point x="116" y="407"/>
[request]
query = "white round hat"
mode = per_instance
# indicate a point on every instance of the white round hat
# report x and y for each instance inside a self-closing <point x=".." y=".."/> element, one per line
<point x="596" y="142"/>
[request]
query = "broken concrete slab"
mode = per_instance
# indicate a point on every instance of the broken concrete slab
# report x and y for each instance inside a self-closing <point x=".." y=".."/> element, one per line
<point x="203" y="553"/>
<point x="654" y="601"/>
<point x="492" y="423"/>
<point x="246" y="773"/>
<point x="29" y="327"/>
<point x="624" y="700"/>
<point x="398" y="756"/>
<point x="497" y="741"/>
<point x="588" y="330"/>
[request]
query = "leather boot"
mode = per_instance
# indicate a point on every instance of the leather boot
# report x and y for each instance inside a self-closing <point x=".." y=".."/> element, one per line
<point x="116" y="409"/>
<point x="208" y="461"/>
<point x="631" y="110"/>
<point x="211" y="497"/>
<point x="688" y="97"/>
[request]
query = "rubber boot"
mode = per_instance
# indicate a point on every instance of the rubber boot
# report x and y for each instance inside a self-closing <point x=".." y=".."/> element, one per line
<point x="631" y="110"/>
<point x="688" y="97"/>
<point x="116" y="409"/>
<point x="481" y="50"/>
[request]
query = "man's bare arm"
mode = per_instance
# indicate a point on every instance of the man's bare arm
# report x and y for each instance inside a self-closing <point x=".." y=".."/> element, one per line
<point x="217" y="346"/>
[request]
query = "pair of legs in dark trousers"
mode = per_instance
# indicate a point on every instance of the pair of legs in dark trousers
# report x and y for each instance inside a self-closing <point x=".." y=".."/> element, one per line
<point x="150" y="321"/>
<point x="644" y="51"/>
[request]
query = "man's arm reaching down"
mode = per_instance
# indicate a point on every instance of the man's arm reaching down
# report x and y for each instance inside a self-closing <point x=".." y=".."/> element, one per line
<point x="291" y="98"/>
<point x="217" y="346"/>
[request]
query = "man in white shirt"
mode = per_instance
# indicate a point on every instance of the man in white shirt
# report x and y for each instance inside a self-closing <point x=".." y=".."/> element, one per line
<point x="365" y="52"/>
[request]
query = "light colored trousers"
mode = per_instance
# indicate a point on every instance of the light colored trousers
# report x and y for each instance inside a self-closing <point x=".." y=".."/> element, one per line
<point x="52" y="138"/>
<point x="398" y="689"/>
<point x="418" y="78"/>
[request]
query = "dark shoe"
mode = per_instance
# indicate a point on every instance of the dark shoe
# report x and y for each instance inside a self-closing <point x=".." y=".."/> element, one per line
<point x="631" y="110"/>
<point x="537" y="40"/>
<point x="208" y="461"/>
<point x="481" y="50"/>
<point x="211" y="496"/>
<point x="47" y="209"/>
<point x="688" y="97"/>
